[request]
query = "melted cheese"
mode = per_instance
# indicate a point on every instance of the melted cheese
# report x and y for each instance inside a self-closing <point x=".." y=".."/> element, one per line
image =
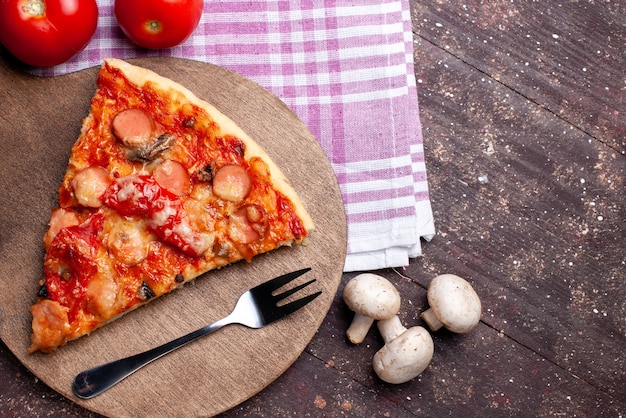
<point x="102" y="292"/>
<point x="128" y="191"/>
<point x="165" y="215"/>
<point x="50" y="325"/>
<point x="129" y="240"/>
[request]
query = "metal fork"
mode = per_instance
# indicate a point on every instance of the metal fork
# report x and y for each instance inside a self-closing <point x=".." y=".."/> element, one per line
<point x="255" y="308"/>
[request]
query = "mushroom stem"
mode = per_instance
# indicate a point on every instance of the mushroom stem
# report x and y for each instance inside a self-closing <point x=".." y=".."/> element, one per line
<point x="431" y="319"/>
<point x="371" y="297"/>
<point x="357" y="330"/>
<point x="390" y="328"/>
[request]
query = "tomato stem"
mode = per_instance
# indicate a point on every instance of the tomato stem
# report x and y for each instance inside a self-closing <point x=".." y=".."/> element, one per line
<point x="34" y="8"/>
<point x="153" y="26"/>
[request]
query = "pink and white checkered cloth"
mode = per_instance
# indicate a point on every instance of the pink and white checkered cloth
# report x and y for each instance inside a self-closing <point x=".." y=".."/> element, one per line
<point x="346" y="69"/>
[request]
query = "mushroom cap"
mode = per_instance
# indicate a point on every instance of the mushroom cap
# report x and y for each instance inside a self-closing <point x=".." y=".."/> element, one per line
<point x="454" y="302"/>
<point x="404" y="357"/>
<point x="373" y="296"/>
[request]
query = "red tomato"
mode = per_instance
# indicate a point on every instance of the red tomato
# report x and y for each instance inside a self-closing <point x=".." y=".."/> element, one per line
<point x="44" y="33"/>
<point x="157" y="24"/>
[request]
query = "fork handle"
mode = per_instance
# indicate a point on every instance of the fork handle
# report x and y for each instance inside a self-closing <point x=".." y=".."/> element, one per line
<point x="96" y="380"/>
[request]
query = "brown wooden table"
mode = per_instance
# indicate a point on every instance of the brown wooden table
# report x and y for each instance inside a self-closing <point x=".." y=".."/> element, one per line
<point x="524" y="116"/>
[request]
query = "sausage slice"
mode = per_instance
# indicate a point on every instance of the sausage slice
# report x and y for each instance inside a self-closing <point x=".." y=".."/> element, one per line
<point x="232" y="183"/>
<point x="133" y="127"/>
<point x="90" y="184"/>
<point x="171" y="175"/>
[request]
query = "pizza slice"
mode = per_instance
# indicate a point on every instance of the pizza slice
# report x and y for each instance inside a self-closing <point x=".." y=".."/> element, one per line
<point x="160" y="188"/>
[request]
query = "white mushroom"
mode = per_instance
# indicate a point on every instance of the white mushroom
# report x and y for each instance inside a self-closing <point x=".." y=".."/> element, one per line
<point x="371" y="297"/>
<point x="406" y="353"/>
<point x="453" y="304"/>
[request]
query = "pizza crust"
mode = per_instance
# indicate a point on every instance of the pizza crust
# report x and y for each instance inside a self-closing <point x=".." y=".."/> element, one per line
<point x="140" y="76"/>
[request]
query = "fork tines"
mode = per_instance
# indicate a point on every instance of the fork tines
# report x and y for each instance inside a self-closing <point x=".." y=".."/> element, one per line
<point x="297" y="304"/>
<point x="280" y="281"/>
<point x="268" y="303"/>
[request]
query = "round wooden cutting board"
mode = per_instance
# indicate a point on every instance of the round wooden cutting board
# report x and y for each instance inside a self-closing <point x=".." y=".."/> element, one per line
<point x="41" y="119"/>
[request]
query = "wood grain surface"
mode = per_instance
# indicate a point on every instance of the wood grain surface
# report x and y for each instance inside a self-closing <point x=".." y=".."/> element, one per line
<point x="40" y="124"/>
<point x="522" y="109"/>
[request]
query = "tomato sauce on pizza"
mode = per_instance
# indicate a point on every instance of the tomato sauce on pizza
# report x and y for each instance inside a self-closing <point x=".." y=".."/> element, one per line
<point x="160" y="188"/>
